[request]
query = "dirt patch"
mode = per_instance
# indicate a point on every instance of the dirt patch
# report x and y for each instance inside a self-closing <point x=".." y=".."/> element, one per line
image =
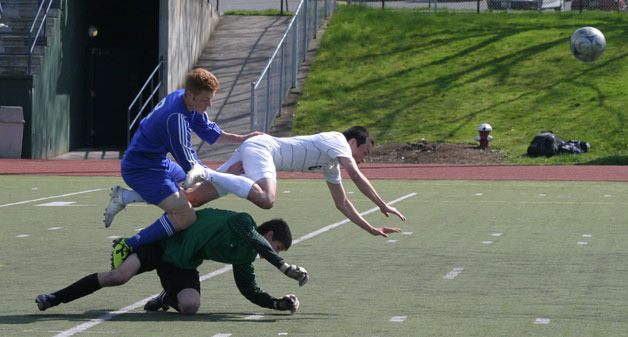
<point x="423" y="152"/>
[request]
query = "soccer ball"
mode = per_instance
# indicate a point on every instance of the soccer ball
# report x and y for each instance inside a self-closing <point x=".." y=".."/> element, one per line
<point x="587" y="44"/>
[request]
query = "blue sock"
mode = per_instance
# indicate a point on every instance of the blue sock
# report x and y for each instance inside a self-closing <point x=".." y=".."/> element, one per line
<point x="159" y="230"/>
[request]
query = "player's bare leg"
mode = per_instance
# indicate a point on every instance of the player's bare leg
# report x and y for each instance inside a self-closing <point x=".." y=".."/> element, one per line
<point x="179" y="211"/>
<point x="201" y="193"/>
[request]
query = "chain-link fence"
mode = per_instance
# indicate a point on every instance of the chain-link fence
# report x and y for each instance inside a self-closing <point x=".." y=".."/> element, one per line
<point x="280" y="74"/>
<point x="484" y="5"/>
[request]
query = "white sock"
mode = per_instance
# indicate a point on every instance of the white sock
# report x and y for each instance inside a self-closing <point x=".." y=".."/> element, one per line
<point x="130" y="196"/>
<point x="238" y="185"/>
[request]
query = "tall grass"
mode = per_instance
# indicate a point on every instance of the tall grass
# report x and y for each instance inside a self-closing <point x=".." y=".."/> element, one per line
<point x="409" y="75"/>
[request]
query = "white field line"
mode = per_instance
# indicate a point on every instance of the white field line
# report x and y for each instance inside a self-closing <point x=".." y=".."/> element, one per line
<point x="332" y="226"/>
<point x="51" y="197"/>
<point x="453" y="273"/>
<point x="113" y="314"/>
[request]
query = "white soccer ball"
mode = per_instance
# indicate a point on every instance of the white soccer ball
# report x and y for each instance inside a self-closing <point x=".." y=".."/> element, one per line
<point x="587" y="44"/>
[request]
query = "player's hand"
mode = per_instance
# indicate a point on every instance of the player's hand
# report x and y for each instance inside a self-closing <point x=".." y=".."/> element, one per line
<point x="252" y="134"/>
<point x="197" y="173"/>
<point x="288" y="302"/>
<point x="389" y="209"/>
<point x="389" y="230"/>
<point x="295" y="272"/>
<point x="383" y="231"/>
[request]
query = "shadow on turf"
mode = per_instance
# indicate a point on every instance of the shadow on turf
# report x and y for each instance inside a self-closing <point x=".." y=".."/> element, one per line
<point x="155" y="316"/>
<point x="610" y="160"/>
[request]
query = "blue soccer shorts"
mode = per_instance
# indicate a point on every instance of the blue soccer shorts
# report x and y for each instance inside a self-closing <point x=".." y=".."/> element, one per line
<point x="155" y="184"/>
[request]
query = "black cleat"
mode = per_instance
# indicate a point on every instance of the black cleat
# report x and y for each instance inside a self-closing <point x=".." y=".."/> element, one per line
<point x="45" y="301"/>
<point x="156" y="303"/>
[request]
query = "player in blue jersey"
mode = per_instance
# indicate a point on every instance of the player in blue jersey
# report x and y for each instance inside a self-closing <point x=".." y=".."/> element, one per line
<point x="155" y="178"/>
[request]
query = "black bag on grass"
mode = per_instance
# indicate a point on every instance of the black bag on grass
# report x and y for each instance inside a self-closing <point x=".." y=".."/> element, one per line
<point x="545" y="144"/>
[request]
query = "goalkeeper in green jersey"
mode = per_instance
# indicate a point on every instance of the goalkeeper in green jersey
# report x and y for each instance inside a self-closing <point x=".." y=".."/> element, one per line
<point x="217" y="235"/>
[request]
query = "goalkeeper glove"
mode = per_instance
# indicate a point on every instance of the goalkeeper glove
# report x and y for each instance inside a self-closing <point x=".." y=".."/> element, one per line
<point x="295" y="272"/>
<point x="288" y="302"/>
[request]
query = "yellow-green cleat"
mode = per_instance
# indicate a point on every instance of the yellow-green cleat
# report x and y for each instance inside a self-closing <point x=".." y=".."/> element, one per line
<point x="121" y="250"/>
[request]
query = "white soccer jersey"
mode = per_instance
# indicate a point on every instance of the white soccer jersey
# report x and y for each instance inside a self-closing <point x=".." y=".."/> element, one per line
<point x="263" y="155"/>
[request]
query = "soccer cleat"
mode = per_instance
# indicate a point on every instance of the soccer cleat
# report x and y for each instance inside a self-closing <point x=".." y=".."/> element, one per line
<point x="116" y="204"/>
<point x="156" y="303"/>
<point x="45" y="301"/>
<point x="121" y="250"/>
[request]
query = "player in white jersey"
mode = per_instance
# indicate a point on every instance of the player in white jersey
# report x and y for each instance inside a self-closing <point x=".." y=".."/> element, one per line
<point x="262" y="156"/>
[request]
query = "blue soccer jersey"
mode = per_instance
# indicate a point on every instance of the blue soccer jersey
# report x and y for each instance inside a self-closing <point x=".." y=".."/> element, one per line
<point x="167" y="129"/>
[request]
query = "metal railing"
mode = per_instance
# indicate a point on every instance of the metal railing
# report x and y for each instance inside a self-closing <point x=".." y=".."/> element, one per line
<point x="40" y="28"/>
<point x="145" y="101"/>
<point x="279" y="76"/>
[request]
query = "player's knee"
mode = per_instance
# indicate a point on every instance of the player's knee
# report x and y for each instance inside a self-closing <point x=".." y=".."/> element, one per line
<point x="189" y="218"/>
<point x="264" y="201"/>
<point x="183" y="219"/>
<point x="189" y="307"/>
<point x="266" y="204"/>
<point x="117" y="278"/>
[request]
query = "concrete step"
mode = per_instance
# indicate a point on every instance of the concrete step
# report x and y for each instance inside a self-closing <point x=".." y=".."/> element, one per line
<point x="12" y="40"/>
<point x="18" y="64"/>
<point x="20" y="42"/>
<point x="19" y="60"/>
<point x="21" y="8"/>
<point x="23" y="25"/>
<point x="21" y="50"/>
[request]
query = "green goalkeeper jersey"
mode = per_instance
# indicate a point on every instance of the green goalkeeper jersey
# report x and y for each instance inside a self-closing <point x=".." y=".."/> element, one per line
<point x="227" y="237"/>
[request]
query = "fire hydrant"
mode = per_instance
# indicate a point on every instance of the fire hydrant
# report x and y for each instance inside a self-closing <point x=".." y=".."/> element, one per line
<point x="484" y="136"/>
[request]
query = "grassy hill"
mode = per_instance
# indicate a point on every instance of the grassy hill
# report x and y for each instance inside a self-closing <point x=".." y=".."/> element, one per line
<point x="409" y="75"/>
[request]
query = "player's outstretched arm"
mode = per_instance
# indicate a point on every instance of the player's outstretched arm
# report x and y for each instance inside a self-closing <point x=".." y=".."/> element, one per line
<point x="231" y="138"/>
<point x="344" y="205"/>
<point x="386" y="209"/>
<point x="364" y="185"/>
<point x="244" y="277"/>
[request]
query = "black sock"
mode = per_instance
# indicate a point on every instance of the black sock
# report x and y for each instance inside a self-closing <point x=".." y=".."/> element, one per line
<point x="78" y="289"/>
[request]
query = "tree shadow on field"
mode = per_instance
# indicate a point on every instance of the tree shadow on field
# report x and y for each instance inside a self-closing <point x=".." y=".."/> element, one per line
<point x="610" y="160"/>
<point x="160" y="316"/>
<point x="413" y="89"/>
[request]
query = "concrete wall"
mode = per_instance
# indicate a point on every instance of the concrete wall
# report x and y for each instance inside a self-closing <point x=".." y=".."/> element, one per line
<point x="50" y="124"/>
<point x="185" y="28"/>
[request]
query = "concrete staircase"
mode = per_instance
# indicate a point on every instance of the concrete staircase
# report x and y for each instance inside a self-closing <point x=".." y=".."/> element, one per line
<point x="15" y="42"/>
